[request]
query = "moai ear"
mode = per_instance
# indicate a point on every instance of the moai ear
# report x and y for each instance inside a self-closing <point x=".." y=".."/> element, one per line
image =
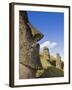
<point x="36" y="34"/>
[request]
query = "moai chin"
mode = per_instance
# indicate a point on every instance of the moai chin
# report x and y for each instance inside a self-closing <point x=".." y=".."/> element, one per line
<point x="29" y="59"/>
<point x="58" y="61"/>
<point x="46" y="54"/>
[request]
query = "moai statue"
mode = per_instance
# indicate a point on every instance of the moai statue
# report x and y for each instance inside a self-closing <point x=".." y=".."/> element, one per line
<point x="58" y="61"/>
<point x="46" y="54"/>
<point x="29" y="59"/>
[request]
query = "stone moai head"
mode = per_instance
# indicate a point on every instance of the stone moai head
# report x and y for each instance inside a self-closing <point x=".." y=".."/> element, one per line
<point x="46" y="54"/>
<point x="58" y="61"/>
<point x="28" y="46"/>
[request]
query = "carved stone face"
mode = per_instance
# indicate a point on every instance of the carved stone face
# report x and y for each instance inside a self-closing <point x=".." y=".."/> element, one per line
<point x="28" y="47"/>
<point x="58" y="61"/>
<point x="46" y="54"/>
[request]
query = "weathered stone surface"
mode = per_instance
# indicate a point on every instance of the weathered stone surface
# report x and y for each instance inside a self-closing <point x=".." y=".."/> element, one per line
<point x="58" y="61"/>
<point x="36" y="34"/>
<point x="28" y="49"/>
<point x="46" y="54"/>
<point x="26" y="72"/>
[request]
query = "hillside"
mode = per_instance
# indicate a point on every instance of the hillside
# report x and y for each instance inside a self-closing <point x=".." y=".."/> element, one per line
<point x="49" y="69"/>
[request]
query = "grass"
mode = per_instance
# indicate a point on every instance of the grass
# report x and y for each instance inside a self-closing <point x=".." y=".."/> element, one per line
<point x="48" y="70"/>
<point x="52" y="72"/>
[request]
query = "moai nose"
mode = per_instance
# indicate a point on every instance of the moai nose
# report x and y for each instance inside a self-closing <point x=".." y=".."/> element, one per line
<point x="36" y="34"/>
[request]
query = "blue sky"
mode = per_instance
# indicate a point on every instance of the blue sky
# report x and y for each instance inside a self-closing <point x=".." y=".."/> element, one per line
<point x="51" y="24"/>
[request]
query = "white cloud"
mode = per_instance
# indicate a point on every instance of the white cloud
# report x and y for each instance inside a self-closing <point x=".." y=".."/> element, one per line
<point x="48" y="44"/>
<point x="53" y="44"/>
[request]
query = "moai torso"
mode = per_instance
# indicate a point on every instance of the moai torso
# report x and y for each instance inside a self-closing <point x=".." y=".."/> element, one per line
<point x="28" y="50"/>
<point x="46" y="54"/>
<point x="58" y="61"/>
